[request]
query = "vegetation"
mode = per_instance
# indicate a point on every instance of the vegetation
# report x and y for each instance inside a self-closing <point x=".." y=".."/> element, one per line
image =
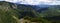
<point x="10" y="15"/>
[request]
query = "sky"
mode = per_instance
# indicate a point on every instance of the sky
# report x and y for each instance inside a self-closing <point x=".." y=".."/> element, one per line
<point x="1" y="0"/>
<point x="35" y="2"/>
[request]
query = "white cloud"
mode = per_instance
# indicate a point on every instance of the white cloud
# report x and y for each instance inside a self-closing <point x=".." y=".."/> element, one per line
<point x="55" y="3"/>
<point x="35" y="2"/>
<point x="14" y="1"/>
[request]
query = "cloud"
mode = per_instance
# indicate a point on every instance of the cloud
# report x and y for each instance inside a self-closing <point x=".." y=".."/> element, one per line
<point x="54" y="3"/>
<point x="36" y="2"/>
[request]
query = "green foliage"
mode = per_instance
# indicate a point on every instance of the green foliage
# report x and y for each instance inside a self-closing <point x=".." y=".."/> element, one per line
<point x="52" y="11"/>
<point x="6" y="14"/>
<point x="5" y="17"/>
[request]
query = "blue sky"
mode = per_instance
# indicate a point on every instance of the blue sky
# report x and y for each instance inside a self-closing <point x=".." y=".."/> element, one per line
<point x="35" y="2"/>
<point x="1" y="0"/>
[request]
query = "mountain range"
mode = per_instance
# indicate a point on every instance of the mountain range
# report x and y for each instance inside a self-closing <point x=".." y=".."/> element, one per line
<point x="38" y="8"/>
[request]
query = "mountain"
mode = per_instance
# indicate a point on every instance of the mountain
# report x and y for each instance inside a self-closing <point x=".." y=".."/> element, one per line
<point x="38" y="8"/>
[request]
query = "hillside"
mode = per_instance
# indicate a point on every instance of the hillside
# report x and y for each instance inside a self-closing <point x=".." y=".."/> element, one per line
<point x="6" y="13"/>
<point x="11" y="12"/>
